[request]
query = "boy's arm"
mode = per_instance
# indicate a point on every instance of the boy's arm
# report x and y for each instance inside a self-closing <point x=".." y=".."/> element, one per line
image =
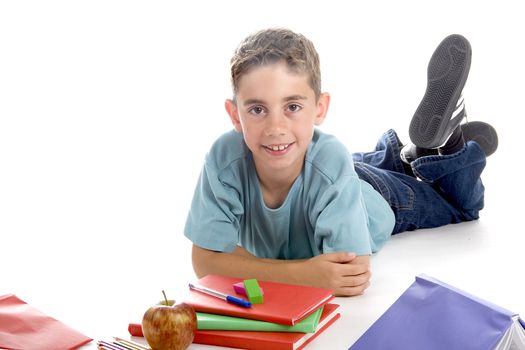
<point x="345" y="273"/>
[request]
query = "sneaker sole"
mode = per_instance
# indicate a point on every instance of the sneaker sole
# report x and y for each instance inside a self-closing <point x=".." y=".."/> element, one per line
<point x="447" y="74"/>
<point x="484" y="134"/>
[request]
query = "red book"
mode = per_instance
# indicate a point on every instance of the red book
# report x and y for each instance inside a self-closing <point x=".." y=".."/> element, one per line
<point x="24" y="327"/>
<point x="283" y="303"/>
<point x="267" y="340"/>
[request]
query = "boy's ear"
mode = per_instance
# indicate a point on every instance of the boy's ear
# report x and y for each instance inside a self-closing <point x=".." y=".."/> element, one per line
<point x="322" y="108"/>
<point x="231" y="109"/>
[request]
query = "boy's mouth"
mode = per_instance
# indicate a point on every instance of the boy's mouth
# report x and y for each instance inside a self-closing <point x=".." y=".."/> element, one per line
<point x="280" y="148"/>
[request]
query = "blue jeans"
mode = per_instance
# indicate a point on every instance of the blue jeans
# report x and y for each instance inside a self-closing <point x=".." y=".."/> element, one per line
<point x="439" y="190"/>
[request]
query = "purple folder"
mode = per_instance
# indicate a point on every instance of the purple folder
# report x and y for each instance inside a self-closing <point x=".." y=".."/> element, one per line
<point x="433" y="315"/>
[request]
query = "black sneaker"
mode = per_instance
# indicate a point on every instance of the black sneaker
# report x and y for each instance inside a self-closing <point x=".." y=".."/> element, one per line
<point x="442" y="109"/>
<point x="483" y="133"/>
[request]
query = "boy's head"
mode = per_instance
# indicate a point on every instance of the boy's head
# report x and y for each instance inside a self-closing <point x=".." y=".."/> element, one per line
<point x="270" y="46"/>
<point x="277" y="100"/>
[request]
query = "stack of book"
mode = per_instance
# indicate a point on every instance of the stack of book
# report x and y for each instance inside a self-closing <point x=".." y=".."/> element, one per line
<point x="290" y="317"/>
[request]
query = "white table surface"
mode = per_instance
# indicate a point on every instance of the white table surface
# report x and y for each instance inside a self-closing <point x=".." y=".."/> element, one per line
<point x="462" y="255"/>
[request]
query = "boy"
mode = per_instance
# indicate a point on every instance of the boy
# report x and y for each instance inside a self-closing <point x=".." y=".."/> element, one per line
<point x="279" y="200"/>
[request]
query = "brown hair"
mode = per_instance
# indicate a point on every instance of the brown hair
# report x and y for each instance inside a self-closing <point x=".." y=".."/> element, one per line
<point x="272" y="45"/>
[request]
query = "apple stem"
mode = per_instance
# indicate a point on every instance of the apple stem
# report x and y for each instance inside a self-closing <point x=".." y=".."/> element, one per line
<point x="165" y="298"/>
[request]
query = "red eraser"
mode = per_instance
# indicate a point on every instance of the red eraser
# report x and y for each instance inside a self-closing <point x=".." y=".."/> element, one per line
<point x="239" y="288"/>
<point x="135" y="329"/>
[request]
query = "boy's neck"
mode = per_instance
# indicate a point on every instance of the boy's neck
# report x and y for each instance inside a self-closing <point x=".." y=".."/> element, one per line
<point x="275" y="187"/>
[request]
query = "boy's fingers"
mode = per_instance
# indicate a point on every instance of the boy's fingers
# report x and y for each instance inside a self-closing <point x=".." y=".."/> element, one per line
<point x="347" y="272"/>
<point x="352" y="291"/>
<point x="357" y="279"/>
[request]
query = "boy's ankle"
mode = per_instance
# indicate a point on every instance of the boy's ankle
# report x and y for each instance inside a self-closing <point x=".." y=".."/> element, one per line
<point x="455" y="143"/>
<point x="411" y="152"/>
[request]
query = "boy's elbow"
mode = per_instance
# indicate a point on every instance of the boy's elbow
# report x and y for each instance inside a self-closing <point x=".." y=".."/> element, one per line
<point x="201" y="258"/>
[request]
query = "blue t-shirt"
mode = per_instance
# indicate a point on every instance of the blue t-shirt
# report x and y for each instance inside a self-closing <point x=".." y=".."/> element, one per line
<point x="328" y="208"/>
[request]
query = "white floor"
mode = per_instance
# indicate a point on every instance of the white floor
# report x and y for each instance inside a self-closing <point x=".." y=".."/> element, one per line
<point x="108" y="108"/>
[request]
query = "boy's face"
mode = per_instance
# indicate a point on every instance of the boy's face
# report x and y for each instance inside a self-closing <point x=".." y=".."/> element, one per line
<point x="276" y="110"/>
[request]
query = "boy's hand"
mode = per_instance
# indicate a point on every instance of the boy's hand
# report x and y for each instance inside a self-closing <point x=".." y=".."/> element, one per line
<point x="345" y="273"/>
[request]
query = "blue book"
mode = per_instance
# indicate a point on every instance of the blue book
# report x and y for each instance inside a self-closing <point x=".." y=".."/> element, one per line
<point x="432" y="315"/>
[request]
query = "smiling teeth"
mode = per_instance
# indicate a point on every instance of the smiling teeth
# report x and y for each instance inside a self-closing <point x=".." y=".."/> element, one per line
<point x="278" y="148"/>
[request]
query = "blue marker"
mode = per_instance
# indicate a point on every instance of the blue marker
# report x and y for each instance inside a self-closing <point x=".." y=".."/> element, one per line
<point x="229" y="298"/>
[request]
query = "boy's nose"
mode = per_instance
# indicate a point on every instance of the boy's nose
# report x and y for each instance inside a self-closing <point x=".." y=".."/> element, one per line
<point x="276" y="125"/>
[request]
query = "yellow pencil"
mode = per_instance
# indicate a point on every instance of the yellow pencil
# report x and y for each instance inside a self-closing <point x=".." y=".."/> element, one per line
<point x="132" y="344"/>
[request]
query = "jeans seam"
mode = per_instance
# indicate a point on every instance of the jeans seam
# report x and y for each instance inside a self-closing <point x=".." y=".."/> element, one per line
<point x="410" y="202"/>
<point x="395" y="150"/>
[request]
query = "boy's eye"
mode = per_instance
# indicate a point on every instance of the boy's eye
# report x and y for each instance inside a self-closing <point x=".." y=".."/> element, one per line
<point x="294" y="108"/>
<point x="256" y="110"/>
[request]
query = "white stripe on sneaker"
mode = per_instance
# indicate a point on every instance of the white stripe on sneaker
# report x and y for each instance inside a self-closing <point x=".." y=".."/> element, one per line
<point x="459" y="112"/>
<point x="460" y="100"/>
<point x="459" y="109"/>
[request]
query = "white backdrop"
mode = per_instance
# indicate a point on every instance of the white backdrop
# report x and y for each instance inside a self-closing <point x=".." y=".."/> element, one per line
<point x="107" y="109"/>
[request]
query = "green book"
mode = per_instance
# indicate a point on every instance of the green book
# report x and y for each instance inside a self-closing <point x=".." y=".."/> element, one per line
<point x="207" y="321"/>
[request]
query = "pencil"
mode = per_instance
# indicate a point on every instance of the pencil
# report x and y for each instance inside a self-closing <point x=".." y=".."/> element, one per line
<point x="214" y="293"/>
<point x="132" y="344"/>
<point x="106" y="345"/>
<point x="123" y="346"/>
<point x="103" y="347"/>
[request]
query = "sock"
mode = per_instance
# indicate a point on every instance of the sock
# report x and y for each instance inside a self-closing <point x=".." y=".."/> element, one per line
<point x="408" y="169"/>
<point x="455" y="142"/>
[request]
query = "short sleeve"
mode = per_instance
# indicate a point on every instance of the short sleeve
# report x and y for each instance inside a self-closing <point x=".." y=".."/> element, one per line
<point x="341" y="222"/>
<point x="213" y="220"/>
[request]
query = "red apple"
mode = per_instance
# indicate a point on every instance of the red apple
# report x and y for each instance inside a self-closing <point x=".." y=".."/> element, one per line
<point x="169" y="326"/>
